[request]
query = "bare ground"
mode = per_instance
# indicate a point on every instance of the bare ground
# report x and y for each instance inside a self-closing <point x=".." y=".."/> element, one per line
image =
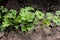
<point x="37" y="34"/>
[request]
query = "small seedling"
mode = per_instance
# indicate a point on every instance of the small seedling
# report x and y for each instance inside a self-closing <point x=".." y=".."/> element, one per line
<point x="58" y="13"/>
<point x="39" y="14"/>
<point x="49" y="16"/>
<point x="46" y="22"/>
<point x="56" y="20"/>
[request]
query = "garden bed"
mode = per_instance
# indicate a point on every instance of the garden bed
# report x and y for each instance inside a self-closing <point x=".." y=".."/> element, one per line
<point x="48" y="33"/>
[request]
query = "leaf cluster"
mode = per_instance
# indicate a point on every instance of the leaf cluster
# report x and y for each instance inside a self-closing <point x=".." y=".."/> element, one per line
<point x="26" y="18"/>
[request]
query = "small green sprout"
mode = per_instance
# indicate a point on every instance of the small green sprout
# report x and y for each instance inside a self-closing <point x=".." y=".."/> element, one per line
<point x="36" y="21"/>
<point x="26" y="14"/>
<point x="28" y="9"/>
<point x="5" y="23"/>
<point x="5" y="10"/>
<point x="56" y="19"/>
<point x="11" y="14"/>
<point x="24" y="29"/>
<point x="39" y="14"/>
<point x="30" y="27"/>
<point x="58" y="13"/>
<point x="46" y="22"/>
<point x="1" y="7"/>
<point x="49" y="16"/>
<point x="16" y="27"/>
<point x="18" y="19"/>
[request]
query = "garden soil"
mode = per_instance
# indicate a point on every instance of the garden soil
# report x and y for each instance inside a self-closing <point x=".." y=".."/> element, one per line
<point x="47" y="33"/>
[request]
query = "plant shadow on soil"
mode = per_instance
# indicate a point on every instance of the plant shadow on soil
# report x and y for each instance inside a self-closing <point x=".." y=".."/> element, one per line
<point x="49" y="33"/>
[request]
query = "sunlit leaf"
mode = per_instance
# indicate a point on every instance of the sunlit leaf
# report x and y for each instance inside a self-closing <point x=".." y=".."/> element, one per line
<point x="49" y="16"/>
<point x="39" y="14"/>
<point x="58" y="13"/>
<point x="24" y="29"/>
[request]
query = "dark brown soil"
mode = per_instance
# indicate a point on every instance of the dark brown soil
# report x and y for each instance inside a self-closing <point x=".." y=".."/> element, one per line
<point x="37" y="34"/>
<point x="47" y="33"/>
